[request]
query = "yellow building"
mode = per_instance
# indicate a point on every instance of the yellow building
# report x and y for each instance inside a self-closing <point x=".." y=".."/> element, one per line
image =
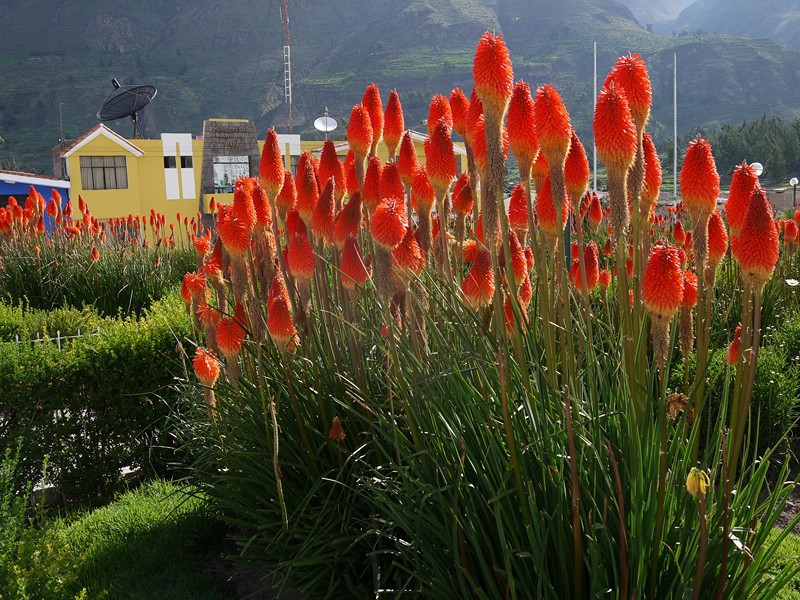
<point x="178" y="173"/>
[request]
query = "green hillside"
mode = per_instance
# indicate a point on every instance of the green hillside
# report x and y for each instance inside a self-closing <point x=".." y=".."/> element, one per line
<point x="212" y="59"/>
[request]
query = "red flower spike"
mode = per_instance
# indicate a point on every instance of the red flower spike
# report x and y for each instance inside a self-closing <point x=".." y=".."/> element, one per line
<point x="294" y="224"/>
<point x="790" y="232"/>
<point x="279" y="317"/>
<point x="479" y="150"/>
<point x="348" y="221"/>
<point x="288" y="196"/>
<point x="391" y="186"/>
<point x="337" y="434"/>
<point x="576" y="172"/>
<point x="243" y="206"/>
<point x="422" y="193"/>
<point x="717" y="239"/>
<point x="743" y="184"/>
<point x="462" y="195"/>
<point x="408" y="259"/>
<point x="324" y="213"/>
<point x="614" y="131"/>
<point x="758" y="246"/>
<point x="202" y="245"/>
<point x="474" y="113"/>
<point x="371" y="190"/>
<point x="574" y="250"/>
<point x="553" y="127"/>
<point x="493" y="74"/>
<point x="261" y="204"/>
<point x="350" y="175"/>
<point x="331" y="167"/>
<point x="393" y="123"/>
<point x="546" y="210"/>
<point x="540" y="170"/>
<point x="521" y="131"/>
<point x="525" y="291"/>
<point x="604" y="278"/>
<point x="630" y="73"/>
<point x="470" y="249"/>
<point x="689" y="289"/>
<point x="407" y="160"/>
<point x="733" y="350"/>
<point x="359" y="131"/>
<point x="354" y="271"/>
<point x="478" y="285"/>
<point x="301" y="260"/>
<point x="699" y="179"/>
<point x="459" y="106"/>
<point x="652" y="172"/>
<point x="439" y="109"/>
<point x="662" y="285"/>
<point x="509" y="312"/>
<point x="206" y="366"/>
<point x="374" y="105"/>
<point x="529" y="258"/>
<point x="233" y="233"/>
<point x="230" y="334"/>
<point x="307" y="191"/>
<point x="388" y="223"/>
<point x="595" y="211"/>
<point x="679" y="233"/>
<point x="440" y="159"/>
<point x="270" y="168"/>
<point x="95" y="254"/>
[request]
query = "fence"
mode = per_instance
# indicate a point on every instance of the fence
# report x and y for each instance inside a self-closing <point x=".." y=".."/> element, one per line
<point x="58" y="339"/>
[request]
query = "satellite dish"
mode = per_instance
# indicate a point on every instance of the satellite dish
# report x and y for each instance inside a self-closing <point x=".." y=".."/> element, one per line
<point x="127" y="101"/>
<point x="758" y="168"/>
<point x="325" y="124"/>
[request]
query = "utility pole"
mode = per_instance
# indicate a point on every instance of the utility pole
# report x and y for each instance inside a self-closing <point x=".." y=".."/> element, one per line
<point x="287" y="65"/>
<point x="61" y="142"/>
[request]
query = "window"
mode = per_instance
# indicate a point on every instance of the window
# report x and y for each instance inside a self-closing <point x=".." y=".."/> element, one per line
<point x="186" y="162"/>
<point x="104" y="173"/>
<point x="169" y="162"/>
<point x="227" y="169"/>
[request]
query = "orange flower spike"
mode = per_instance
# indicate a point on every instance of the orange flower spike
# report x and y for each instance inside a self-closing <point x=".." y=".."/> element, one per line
<point x="521" y="131"/>
<point x="478" y="285"/>
<point x="479" y="150"/>
<point x="331" y="166"/>
<point x="206" y="366"/>
<point x="422" y="193"/>
<point x="353" y="271"/>
<point x="591" y="263"/>
<point x="371" y="190"/>
<point x="322" y="220"/>
<point x="595" y="212"/>
<point x="758" y="245"/>
<point x="391" y="186"/>
<point x="243" y="207"/>
<point x="493" y="74"/>
<point x="604" y="279"/>
<point x="546" y="210"/>
<point x="408" y="259"/>
<point x="553" y="127"/>
<point x="743" y="184"/>
<point x="614" y="131"/>
<point x="301" y="260"/>
<point x="733" y="349"/>
<point x="790" y="232"/>
<point x="95" y="254"/>
<point x="717" y="240"/>
<point x="374" y="105"/>
<point x="525" y="291"/>
<point x="662" y="286"/>
<point x="350" y="175"/>
<point x="261" y="204"/>
<point x="440" y="159"/>
<point x="279" y="317"/>
<point x="540" y="170"/>
<point x="517" y="208"/>
<point x="652" y="172"/>
<point x="359" y="131"/>
<point x="576" y="172"/>
<point x="230" y="335"/>
<point x="337" y="434"/>
<point x="388" y="223"/>
<point x="519" y="263"/>
<point x="233" y="233"/>
<point x="459" y="106"/>
<point x="679" y="233"/>
<point x="699" y="179"/>
<point x="438" y="109"/>
<point x="393" y="123"/>
<point x="288" y="196"/>
<point x="270" y="168"/>
<point x="348" y="221"/>
<point x="407" y="160"/>
<point x="474" y="113"/>
<point x="202" y="245"/>
<point x="462" y="195"/>
<point x="689" y="289"/>
<point x="630" y="73"/>
<point x="307" y="191"/>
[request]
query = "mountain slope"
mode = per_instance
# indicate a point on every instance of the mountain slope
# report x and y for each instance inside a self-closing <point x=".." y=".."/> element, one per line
<point x="655" y="11"/>
<point x="212" y="59"/>
<point x="774" y="19"/>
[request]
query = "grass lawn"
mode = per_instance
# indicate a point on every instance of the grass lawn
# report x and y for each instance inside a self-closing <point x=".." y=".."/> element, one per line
<point x="789" y="553"/>
<point x="150" y="543"/>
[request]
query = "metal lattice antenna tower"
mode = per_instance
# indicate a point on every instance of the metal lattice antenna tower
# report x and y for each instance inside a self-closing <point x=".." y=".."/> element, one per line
<point x="287" y="65"/>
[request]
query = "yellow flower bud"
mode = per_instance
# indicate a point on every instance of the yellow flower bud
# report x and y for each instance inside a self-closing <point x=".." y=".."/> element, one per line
<point x="697" y="482"/>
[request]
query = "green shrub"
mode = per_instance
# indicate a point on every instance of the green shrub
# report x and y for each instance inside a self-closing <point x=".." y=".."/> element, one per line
<point x="21" y="321"/>
<point x="96" y="406"/>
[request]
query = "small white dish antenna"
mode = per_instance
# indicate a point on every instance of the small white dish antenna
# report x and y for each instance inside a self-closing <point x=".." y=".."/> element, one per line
<point x="325" y="123"/>
<point x="758" y="168"/>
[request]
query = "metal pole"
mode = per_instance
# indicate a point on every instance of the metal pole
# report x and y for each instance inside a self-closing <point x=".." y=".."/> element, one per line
<point x="594" y="105"/>
<point x="794" y="196"/>
<point x="675" y="125"/>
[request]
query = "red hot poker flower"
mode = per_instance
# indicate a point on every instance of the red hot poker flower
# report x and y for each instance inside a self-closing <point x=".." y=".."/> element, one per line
<point x="391" y="186"/>
<point x="372" y="102"/>
<point x="699" y="180"/>
<point x="521" y="132"/>
<point x="459" y="106"/>
<point x="576" y="172"/>
<point x="331" y="166"/>
<point x="478" y="285"/>
<point x="652" y="173"/>
<point x="422" y="193"/>
<point x="689" y="289"/>
<point x="552" y="123"/>
<point x="758" y="245"/>
<point x="388" y="223"/>
<point x="662" y="286"/>
<point x="348" y="221"/>
<point x="407" y="160"/>
<point x="206" y="366"/>
<point x="371" y="190"/>
<point x="393" y="123"/>
<point x="440" y="158"/>
<point x="354" y="271"/>
<point x="614" y="131"/>
<point x="717" y="239"/>
<point x="324" y="213"/>
<point x="307" y="191"/>
<point x="743" y="184"/>
<point x="270" y="168"/>
<point x="493" y="74"/>
<point x="359" y="131"/>
<point x="288" y="195"/>
<point x="630" y="72"/>
<point x="518" y="208"/>
<point x="733" y="350"/>
<point x="439" y="109"/>
<point x="279" y="317"/>
<point x="595" y="211"/>
<point x="462" y="195"/>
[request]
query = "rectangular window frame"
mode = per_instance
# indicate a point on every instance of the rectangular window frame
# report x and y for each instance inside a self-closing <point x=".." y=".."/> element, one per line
<point x="104" y="172"/>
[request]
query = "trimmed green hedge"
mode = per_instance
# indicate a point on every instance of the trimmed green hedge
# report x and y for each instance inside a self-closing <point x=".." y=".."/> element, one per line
<point x="98" y="405"/>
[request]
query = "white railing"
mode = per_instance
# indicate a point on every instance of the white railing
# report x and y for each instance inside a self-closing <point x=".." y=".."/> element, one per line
<point x="58" y="339"/>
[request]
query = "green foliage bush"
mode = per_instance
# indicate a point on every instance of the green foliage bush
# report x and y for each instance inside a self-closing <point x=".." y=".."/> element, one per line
<point x="26" y="323"/>
<point x="96" y="406"/>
